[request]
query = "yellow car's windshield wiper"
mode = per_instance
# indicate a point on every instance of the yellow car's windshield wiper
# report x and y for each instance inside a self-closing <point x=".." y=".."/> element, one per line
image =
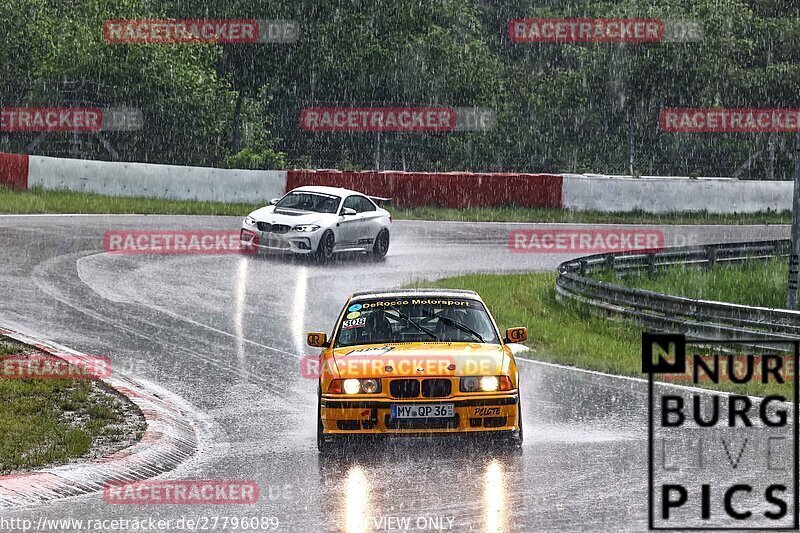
<point x="410" y="321"/>
<point x="458" y="325"/>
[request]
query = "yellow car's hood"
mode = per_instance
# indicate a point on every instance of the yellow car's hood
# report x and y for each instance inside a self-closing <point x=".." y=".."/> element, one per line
<point x="421" y="359"/>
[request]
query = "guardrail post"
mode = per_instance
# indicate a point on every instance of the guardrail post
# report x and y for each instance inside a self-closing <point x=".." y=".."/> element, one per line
<point x="610" y="260"/>
<point x="582" y="268"/>
<point x="651" y="264"/>
<point x="711" y="256"/>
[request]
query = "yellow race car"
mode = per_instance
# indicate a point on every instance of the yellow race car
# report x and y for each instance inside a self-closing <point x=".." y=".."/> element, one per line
<point x="417" y="362"/>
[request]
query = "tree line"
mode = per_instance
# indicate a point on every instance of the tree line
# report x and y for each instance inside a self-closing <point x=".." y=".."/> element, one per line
<point x="590" y="107"/>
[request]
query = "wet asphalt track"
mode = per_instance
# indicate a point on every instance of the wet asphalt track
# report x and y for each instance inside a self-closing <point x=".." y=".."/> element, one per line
<point x="224" y="332"/>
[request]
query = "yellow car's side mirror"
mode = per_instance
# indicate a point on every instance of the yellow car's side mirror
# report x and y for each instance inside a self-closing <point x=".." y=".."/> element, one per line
<point x="516" y="334"/>
<point x="317" y="338"/>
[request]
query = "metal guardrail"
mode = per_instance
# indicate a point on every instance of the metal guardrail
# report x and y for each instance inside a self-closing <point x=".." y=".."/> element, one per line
<point x="663" y="312"/>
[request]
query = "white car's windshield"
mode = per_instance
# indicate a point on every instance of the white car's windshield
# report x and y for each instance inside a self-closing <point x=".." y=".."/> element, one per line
<point x="416" y="320"/>
<point x="309" y="201"/>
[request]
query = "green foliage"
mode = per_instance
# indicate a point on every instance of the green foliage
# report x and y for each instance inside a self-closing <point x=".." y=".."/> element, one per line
<point x="35" y="429"/>
<point x="248" y="158"/>
<point x="755" y="283"/>
<point x="559" y="107"/>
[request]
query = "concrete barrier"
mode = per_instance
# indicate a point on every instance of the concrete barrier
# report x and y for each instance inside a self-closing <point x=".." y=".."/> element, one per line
<point x="156" y="181"/>
<point x="651" y="194"/>
<point x="674" y="195"/>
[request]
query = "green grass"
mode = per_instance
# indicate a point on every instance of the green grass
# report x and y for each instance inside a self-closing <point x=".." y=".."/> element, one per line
<point x="41" y="201"/>
<point x="523" y="214"/>
<point x="756" y="283"/>
<point x="46" y="422"/>
<point x="567" y="334"/>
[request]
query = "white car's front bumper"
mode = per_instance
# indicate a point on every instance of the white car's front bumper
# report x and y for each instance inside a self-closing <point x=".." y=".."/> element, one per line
<point x="289" y="242"/>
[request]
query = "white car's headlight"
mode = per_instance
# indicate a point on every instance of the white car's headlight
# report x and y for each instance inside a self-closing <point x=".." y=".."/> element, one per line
<point x="250" y="221"/>
<point x="306" y="228"/>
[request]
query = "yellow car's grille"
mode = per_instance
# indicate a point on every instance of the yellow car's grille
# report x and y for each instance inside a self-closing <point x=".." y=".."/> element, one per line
<point x="428" y="388"/>
<point x="404" y="388"/>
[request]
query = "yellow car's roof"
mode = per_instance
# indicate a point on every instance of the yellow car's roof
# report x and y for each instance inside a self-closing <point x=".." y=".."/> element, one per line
<point x="416" y="293"/>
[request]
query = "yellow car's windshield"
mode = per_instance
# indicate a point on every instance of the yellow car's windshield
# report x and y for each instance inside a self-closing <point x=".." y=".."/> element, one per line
<point x="415" y="320"/>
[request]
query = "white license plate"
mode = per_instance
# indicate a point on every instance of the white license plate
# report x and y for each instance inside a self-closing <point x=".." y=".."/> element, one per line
<point x="271" y="241"/>
<point x="437" y="410"/>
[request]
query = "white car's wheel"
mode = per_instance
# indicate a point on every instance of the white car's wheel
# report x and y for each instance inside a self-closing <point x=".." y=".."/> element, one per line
<point x="324" y="251"/>
<point x="381" y="246"/>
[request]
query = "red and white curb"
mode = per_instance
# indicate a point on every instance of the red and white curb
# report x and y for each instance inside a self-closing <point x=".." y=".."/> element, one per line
<point x="169" y="440"/>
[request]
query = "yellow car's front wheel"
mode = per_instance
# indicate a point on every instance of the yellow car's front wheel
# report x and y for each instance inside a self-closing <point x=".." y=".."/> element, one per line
<point x="324" y="442"/>
<point x="517" y="437"/>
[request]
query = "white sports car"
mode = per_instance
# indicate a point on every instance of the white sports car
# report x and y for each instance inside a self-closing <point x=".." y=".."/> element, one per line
<point x="320" y="221"/>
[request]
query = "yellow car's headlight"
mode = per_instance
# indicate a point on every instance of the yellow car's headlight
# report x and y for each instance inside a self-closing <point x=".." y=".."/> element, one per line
<point x="485" y="384"/>
<point x="370" y="386"/>
<point x="352" y="386"/>
<point x="490" y="383"/>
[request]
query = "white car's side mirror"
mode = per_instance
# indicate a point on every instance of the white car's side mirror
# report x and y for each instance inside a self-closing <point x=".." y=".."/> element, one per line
<point x="347" y="211"/>
<point x="274" y="201"/>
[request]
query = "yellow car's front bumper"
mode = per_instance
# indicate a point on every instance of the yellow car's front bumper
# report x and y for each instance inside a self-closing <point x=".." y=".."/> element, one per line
<point x="477" y="413"/>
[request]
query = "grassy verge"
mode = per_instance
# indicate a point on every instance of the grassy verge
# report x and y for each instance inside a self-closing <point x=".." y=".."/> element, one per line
<point x="50" y="422"/>
<point x="41" y="201"/>
<point x="526" y="214"/>
<point x="758" y="283"/>
<point x="565" y="334"/>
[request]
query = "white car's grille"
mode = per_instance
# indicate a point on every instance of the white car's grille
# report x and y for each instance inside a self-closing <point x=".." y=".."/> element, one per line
<point x="272" y="228"/>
